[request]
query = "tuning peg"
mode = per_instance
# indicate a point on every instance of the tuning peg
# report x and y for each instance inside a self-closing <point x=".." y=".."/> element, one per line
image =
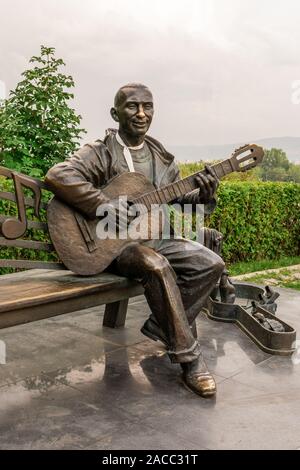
<point x="239" y="148"/>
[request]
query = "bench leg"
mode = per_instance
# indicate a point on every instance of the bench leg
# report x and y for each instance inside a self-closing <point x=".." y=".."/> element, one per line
<point x="115" y="314"/>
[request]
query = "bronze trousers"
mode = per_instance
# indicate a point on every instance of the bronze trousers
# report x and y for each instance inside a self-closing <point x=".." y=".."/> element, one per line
<point x="178" y="275"/>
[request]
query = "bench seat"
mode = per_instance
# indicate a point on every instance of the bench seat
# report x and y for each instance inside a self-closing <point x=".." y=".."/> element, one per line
<point x="39" y="293"/>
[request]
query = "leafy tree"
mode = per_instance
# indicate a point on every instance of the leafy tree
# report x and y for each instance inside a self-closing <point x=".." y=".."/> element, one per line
<point x="277" y="167"/>
<point x="276" y="174"/>
<point x="274" y="166"/>
<point x="275" y="158"/>
<point x="38" y="128"/>
<point x="294" y="173"/>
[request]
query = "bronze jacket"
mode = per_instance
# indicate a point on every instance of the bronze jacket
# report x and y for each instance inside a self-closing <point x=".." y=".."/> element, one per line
<point x="78" y="180"/>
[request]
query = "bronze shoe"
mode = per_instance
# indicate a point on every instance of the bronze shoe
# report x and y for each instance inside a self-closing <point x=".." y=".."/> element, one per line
<point x="198" y="379"/>
<point x="153" y="330"/>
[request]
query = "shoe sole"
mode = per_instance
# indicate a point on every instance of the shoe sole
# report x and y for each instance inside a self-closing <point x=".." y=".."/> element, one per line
<point x="152" y="336"/>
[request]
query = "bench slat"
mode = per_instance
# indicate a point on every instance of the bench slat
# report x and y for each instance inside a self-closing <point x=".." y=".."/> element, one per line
<point x="8" y="172"/>
<point x="38" y="288"/>
<point x="28" y="200"/>
<point x="30" y="244"/>
<point x="28" y="264"/>
<point x="30" y="223"/>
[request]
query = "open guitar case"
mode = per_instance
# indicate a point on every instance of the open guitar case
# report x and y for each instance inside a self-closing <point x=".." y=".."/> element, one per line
<point x="250" y="307"/>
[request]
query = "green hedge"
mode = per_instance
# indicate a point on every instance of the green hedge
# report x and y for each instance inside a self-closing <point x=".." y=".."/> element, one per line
<point x="258" y="220"/>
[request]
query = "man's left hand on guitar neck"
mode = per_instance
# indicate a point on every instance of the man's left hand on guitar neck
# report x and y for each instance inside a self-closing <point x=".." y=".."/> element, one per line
<point x="208" y="185"/>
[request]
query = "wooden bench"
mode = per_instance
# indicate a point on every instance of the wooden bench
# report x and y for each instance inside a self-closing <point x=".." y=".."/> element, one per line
<point x="46" y="288"/>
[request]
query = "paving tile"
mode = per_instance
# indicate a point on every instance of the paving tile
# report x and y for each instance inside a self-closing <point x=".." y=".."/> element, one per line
<point x="278" y="374"/>
<point x="45" y="346"/>
<point x="138" y="380"/>
<point x="69" y="384"/>
<point x="142" y="437"/>
<point x="91" y="320"/>
<point x="289" y="307"/>
<point x="226" y="348"/>
<point x="39" y="413"/>
<point x="239" y="418"/>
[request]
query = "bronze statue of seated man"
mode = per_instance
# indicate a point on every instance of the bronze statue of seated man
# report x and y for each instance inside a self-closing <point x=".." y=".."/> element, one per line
<point x="178" y="274"/>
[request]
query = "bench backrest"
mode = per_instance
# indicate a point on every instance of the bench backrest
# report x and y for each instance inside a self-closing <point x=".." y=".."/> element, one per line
<point x="22" y="220"/>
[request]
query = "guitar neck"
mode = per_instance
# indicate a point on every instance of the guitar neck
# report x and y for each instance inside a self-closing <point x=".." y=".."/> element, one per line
<point x="179" y="188"/>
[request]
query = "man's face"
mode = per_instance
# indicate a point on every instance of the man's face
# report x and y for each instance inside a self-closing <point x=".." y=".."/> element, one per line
<point x="134" y="113"/>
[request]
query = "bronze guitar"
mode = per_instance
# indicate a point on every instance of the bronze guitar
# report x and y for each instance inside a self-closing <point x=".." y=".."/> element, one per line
<point x="84" y="253"/>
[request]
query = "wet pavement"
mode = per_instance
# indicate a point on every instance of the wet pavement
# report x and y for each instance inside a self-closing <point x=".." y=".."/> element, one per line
<point x="68" y="383"/>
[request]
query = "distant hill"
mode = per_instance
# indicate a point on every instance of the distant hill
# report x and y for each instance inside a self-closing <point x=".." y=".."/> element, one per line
<point x="192" y="153"/>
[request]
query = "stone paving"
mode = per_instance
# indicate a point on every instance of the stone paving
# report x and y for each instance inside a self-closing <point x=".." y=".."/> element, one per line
<point x="68" y="383"/>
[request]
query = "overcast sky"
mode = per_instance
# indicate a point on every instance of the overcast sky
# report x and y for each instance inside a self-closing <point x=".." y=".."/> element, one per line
<point x="221" y="71"/>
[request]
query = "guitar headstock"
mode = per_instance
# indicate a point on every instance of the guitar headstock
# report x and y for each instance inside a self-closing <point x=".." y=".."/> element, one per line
<point x="247" y="157"/>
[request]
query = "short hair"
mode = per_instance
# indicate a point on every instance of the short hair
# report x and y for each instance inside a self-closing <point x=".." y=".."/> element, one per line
<point x="120" y="95"/>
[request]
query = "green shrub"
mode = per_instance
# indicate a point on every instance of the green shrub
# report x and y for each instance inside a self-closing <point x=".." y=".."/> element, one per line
<point x="258" y="220"/>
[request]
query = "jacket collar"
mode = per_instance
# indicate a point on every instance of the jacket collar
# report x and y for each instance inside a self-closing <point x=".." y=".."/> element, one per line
<point x="156" y="147"/>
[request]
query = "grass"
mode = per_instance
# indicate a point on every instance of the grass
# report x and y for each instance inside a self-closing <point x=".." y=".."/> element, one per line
<point x="292" y="285"/>
<point x="253" y="266"/>
<point x="263" y="280"/>
<point x="282" y="278"/>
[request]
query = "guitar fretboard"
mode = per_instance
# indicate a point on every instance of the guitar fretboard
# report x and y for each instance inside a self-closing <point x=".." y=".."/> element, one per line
<point x="179" y="188"/>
